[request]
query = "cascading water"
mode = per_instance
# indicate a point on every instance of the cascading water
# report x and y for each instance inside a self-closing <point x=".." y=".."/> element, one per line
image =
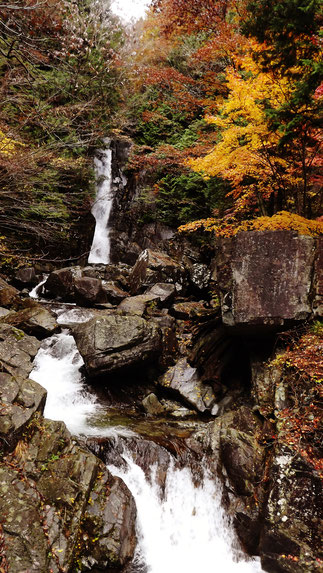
<point x="181" y="527"/>
<point x="100" y="250"/>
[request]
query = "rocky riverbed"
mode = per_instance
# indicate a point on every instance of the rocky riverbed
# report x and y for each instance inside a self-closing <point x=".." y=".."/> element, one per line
<point x="182" y="352"/>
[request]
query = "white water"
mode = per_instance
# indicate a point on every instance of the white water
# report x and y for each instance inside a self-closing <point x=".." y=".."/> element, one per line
<point x="34" y="293"/>
<point x="184" y="530"/>
<point x="57" y="368"/>
<point x="100" y="250"/>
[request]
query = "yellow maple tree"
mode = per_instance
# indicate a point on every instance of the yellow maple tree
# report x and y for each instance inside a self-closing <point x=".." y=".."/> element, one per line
<point x="246" y="153"/>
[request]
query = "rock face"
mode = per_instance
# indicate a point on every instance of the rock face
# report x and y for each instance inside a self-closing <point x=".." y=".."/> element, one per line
<point x="265" y="278"/>
<point x="184" y="381"/>
<point x="113" y="342"/>
<point x="60" y="508"/>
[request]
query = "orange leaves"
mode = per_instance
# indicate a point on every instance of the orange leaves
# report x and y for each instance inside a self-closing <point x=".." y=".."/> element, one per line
<point x="281" y="221"/>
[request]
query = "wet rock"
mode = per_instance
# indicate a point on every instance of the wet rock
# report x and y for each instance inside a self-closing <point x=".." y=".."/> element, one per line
<point x="20" y="400"/>
<point x="34" y="319"/>
<point x="185" y="382"/>
<point x="110" y="343"/>
<point x="152" y="405"/>
<point x="265" y="278"/>
<point x="109" y="523"/>
<point x="8" y="294"/>
<point x="153" y="267"/>
<point x="88" y="291"/>
<point x="137" y="305"/>
<point x="60" y="283"/>
<point x="291" y="539"/>
<point x="26" y="277"/>
<point x="17" y="350"/>
<point x="114" y="293"/>
<point x="61" y="507"/>
<point x="165" y="292"/>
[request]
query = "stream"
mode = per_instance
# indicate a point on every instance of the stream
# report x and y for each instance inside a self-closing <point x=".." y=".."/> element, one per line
<point x="181" y="524"/>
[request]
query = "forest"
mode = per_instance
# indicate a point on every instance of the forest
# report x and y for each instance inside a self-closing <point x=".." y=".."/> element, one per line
<point x="221" y="100"/>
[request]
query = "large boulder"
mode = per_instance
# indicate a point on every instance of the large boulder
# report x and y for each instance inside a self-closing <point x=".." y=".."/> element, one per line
<point x="265" y="278"/>
<point x="153" y="267"/>
<point x="112" y="342"/>
<point x="8" y="294"/>
<point x="184" y="381"/>
<point x="60" y="283"/>
<point x="17" y="350"/>
<point x="61" y="510"/>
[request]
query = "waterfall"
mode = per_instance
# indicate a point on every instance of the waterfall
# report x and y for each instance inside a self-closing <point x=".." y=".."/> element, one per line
<point x="100" y="250"/>
<point x="180" y="527"/>
<point x="183" y="527"/>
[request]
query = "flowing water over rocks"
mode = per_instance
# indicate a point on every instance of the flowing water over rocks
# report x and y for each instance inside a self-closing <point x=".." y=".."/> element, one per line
<point x="181" y="524"/>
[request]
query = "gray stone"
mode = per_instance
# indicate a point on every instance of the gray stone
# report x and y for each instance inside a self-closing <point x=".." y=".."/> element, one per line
<point x="265" y="278"/>
<point x="109" y="343"/>
<point x="293" y="520"/>
<point x="17" y="350"/>
<point x="185" y="382"/>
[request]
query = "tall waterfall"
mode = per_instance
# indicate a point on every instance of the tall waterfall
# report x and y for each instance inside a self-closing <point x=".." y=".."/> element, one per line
<point x="100" y="250"/>
<point x="181" y="527"/>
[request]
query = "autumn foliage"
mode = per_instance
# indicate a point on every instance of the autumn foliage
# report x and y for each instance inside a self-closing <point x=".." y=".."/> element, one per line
<point x="218" y="98"/>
